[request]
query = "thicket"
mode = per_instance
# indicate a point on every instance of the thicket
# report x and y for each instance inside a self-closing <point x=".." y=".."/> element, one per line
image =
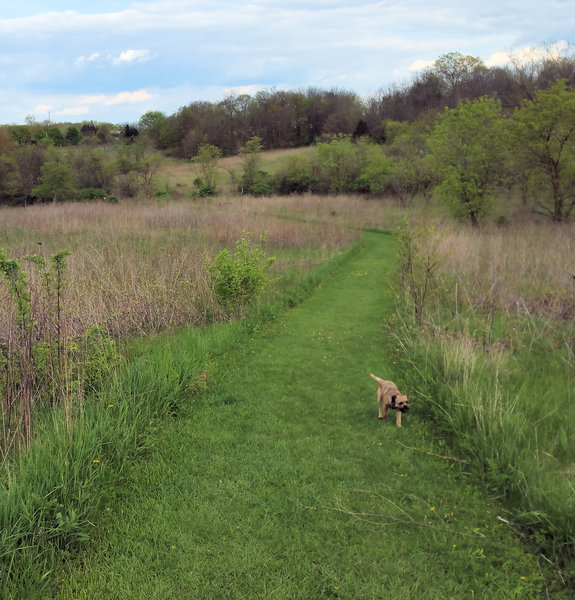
<point x="37" y="169"/>
<point x="42" y="363"/>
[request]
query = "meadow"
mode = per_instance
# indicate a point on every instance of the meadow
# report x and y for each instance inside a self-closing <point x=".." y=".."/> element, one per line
<point x="491" y="364"/>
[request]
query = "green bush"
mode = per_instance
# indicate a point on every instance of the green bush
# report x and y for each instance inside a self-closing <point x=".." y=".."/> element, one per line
<point x="297" y="177"/>
<point x="162" y="195"/>
<point x="98" y="357"/>
<point x="264" y="185"/>
<point x="239" y="278"/>
<point x="203" y="189"/>
<point x="87" y="194"/>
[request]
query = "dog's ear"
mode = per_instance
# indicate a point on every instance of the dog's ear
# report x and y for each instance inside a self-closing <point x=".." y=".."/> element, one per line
<point x="393" y="399"/>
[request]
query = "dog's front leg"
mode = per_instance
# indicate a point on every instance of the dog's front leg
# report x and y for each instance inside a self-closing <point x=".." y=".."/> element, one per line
<point x="398" y="419"/>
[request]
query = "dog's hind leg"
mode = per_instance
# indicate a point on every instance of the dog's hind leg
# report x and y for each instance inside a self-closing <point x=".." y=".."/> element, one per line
<point x="382" y="410"/>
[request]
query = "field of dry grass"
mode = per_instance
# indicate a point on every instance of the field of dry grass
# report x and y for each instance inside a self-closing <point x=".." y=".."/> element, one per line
<point x="526" y="267"/>
<point x="140" y="266"/>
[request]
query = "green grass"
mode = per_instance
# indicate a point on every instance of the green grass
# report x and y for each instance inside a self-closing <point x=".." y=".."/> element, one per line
<point x="508" y="409"/>
<point x="279" y="482"/>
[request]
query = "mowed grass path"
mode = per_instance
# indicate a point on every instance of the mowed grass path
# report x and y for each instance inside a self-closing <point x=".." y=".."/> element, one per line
<point x="281" y="483"/>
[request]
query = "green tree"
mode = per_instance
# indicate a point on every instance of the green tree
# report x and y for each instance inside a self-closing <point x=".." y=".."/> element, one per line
<point x="92" y="167"/>
<point x="376" y="168"/>
<point x="338" y="164"/>
<point x="57" y="182"/>
<point x="207" y="158"/>
<point x="55" y="136"/>
<point x="8" y="176"/>
<point x="252" y="180"/>
<point x="158" y="127"/>
<point x="296" y="176"/>
<point x="73" y="136"/>
<point x="454" y="68"/>
<point x="20" y="133"/>
<point x="544" y="142"/>
<point x="104" y="133"/>
<point x="468" y="149"/>
<point x="411" y="172"/>
<point x="30" y="159"/>
<point x="251" y="152"/>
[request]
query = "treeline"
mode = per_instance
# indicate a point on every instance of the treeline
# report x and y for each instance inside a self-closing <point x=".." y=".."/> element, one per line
<point x="459" y="129"/>
<point x="39" y="163"/>
<point x="283" y="119"/>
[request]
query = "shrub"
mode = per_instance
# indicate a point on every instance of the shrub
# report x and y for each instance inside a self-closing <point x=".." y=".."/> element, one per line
<point x="203" y="189"/>
<point x="419" y="257"/>
<point x="297" y="177"/>
<point x="239" y="278"/>
<point x="87" y="194"/>
<point x="97" y="358"/>
<point x="264" y="185"/>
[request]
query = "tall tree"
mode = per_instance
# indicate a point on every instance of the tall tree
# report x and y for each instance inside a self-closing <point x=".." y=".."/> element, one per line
<point x="57" y="182"/>
<point x="455" y="67"/>
<point x="207" y="158"/>
<point x="8" y="176"/>
<point x="468" y="150"/>
<point x="544" y="136"/>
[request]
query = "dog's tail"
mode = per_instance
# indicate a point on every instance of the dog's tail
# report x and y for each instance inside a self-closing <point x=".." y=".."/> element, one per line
<point x="376" y="378"/>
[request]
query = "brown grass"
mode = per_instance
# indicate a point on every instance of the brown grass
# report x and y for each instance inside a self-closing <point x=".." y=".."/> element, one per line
<point x="140" y="266"/>
<point x="526" y="267"/>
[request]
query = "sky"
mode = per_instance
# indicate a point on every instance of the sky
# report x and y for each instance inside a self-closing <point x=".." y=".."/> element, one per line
<point x="114" y="60"/>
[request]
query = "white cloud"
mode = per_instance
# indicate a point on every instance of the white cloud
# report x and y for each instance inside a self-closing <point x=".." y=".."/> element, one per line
<point x="74" y="111"/>
<point x="128" y="97"/>
<point x="131" y="56"/>
<point x="84" y="59"/>
<point x="121" y="98"/>
<point x="421" y="65"/>
<point x="526" y="55"/>
<point x="498" y="59"/>
<point x="243" y="89"/>
<point x="43" y="108"/>
<point x="83" y="105"/>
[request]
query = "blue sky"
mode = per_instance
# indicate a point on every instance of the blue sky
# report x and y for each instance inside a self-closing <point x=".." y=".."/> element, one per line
<point x="113" y="60"/>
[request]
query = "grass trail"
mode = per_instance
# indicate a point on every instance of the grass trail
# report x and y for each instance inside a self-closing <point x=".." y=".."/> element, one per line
<point x="281" y="483"/>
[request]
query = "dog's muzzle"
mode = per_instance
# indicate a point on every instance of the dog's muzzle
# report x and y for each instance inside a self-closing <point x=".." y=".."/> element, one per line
<point x="404" y="409"/>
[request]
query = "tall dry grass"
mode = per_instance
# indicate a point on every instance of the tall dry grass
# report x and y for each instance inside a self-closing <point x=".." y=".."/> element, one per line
<point x="140" y="266"/>
<point x="526" y="267"/>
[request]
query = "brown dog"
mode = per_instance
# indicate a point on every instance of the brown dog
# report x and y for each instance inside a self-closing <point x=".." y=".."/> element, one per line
<point x="388" y="396"/>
